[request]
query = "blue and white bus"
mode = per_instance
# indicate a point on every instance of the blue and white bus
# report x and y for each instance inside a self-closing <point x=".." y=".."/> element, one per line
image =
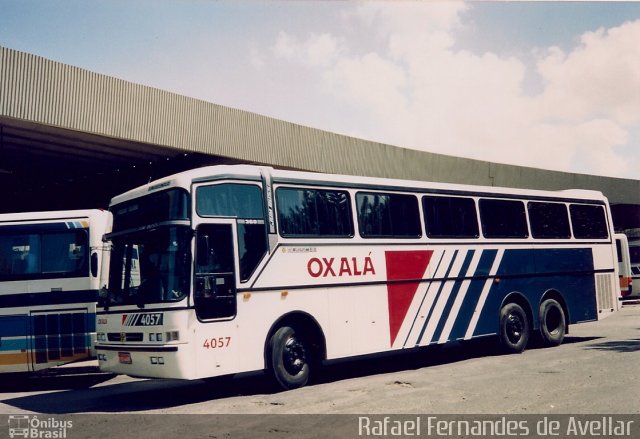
<point x="49" y="281"/>
<point x="245" y="268"/>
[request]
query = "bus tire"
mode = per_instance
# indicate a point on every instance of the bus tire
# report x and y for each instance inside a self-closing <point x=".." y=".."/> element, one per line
<point x="552" y="323"/>
<point x="289" y="356"/>
<point x="514" y="328"/>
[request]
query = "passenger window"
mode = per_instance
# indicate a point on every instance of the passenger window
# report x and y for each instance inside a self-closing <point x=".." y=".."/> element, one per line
<point x="314" y="213"/>
<point x="44" y="255"/>
<point x="20" y="255"/>
<point x="450" y="217"/>
<point x="388" y="215"/>
<point x="503" y="219"/>
<point x="64" y="252"/>
<point x="230" y="200"/>
<point x="549" y="220"/>
<point x="588" y="221"/>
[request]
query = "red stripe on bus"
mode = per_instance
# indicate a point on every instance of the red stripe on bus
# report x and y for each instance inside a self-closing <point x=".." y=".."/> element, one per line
<point x="403" y="265"/>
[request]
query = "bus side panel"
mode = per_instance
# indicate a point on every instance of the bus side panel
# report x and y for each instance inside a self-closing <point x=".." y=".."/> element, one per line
<point x="606" y="277"/>
<point x="359" y="320"/>
<point x="238" y="345"/>
<point x="566" y="271"/>
<point x="61" y="336"/>
<point x="13" y="343"/>
<point x="60" y="328"/>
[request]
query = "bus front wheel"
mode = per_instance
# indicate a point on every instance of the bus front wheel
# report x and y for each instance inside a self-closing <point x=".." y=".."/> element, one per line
<point x="514" y="328"/>
<point x="288" y="358"/>
<point x="552" y="323"/>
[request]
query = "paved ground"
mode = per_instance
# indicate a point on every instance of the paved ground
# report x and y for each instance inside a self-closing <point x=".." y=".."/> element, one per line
<point x="596" y="370"/>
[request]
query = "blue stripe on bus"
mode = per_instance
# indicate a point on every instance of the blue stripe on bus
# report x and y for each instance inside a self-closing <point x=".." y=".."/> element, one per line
<point x="435" y="299"/>
<point x="16" y="344"/>
<point x="53" y="336"/>
<point x="19" y="344"/>
<point x="473" y="294"/>
<point x="13" y="326"/>
<point x="485" y="263"/>
<point x="47" y="298"/>
<point x="415" y="318"/>
<point x="452" y="296"/>
<point x="532" y="272"/>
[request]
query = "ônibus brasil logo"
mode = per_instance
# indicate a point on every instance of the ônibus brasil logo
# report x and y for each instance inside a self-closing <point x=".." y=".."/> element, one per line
<point x="33" y="427"/>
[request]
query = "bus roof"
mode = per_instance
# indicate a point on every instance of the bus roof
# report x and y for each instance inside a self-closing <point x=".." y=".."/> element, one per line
<point x="252" y="172"/>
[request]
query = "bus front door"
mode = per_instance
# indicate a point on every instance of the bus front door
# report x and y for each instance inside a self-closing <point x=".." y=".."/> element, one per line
<point x="215" y="277"/>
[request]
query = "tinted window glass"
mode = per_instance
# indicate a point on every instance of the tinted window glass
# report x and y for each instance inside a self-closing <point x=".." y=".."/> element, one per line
<point x="252" y="246"/>
<point x="44" y="255"/>
<point x="244" y="202"/>
<point x="503" y="219"/>
<point x="172" y="204"/>
<point x="313" y="212"/>
<point x="588" y="221"/>
<point x="150" y="266"/>
<point x="230" y="200"/>
<point x="450" y="217"/>
<point x="549" y="220"/>
<point x="388" y="215"/>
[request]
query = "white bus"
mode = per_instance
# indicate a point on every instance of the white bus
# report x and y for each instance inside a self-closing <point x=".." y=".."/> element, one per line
<point x="633" y="236"/>
<point x="246" y="268"/>
<point x="624" y="266"/>
<point x="49" y="282"/>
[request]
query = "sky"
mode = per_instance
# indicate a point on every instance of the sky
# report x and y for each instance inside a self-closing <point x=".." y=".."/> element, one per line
<point x="554" y="85"/>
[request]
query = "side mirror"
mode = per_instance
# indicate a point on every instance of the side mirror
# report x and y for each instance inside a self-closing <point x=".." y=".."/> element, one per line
<point x="94" y="264"/>
<point x="103" y="297"/>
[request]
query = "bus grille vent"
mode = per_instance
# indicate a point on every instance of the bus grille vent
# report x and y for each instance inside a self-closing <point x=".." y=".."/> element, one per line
<point x="603" y="289"/>
<point x="60" y="337"/>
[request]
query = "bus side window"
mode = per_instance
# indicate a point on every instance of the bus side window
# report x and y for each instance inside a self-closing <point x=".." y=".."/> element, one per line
<point x="64" y="252"/>
<point x="25" y="255"/>
<point x="252" y="246"/>
<point x="245" y="203"/>
<point x="588" y="221"/>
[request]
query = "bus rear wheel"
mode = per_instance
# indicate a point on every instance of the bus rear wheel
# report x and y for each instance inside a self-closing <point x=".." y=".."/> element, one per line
<point x="552" y="323"/>
<point x="289" y="359"/>
<point x="514" y="328"/>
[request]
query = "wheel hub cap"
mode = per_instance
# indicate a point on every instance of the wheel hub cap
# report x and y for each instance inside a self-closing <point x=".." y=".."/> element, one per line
<point x="294" y="356"/>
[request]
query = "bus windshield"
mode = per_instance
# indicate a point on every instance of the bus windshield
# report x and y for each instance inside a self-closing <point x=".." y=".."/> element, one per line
<point x="151" y="266"/>
<point x="634" y="256"/>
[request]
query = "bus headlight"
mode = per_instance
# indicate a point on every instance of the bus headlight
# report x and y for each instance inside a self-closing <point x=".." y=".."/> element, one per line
<point x="173" y="336"/>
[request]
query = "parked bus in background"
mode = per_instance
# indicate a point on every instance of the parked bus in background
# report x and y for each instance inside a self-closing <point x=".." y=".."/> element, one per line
<point x="49" y="281"/>
<point x="633" y="236"/>
<point x="247" y="268"/>
<point x="624" y="265"/>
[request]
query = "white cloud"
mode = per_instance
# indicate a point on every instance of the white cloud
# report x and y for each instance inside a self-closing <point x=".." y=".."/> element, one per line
<point x="414" y="90"/>
<point x="601" y="77"/>
<point x="316" y="51"/>
<point x="370" y="82"/>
